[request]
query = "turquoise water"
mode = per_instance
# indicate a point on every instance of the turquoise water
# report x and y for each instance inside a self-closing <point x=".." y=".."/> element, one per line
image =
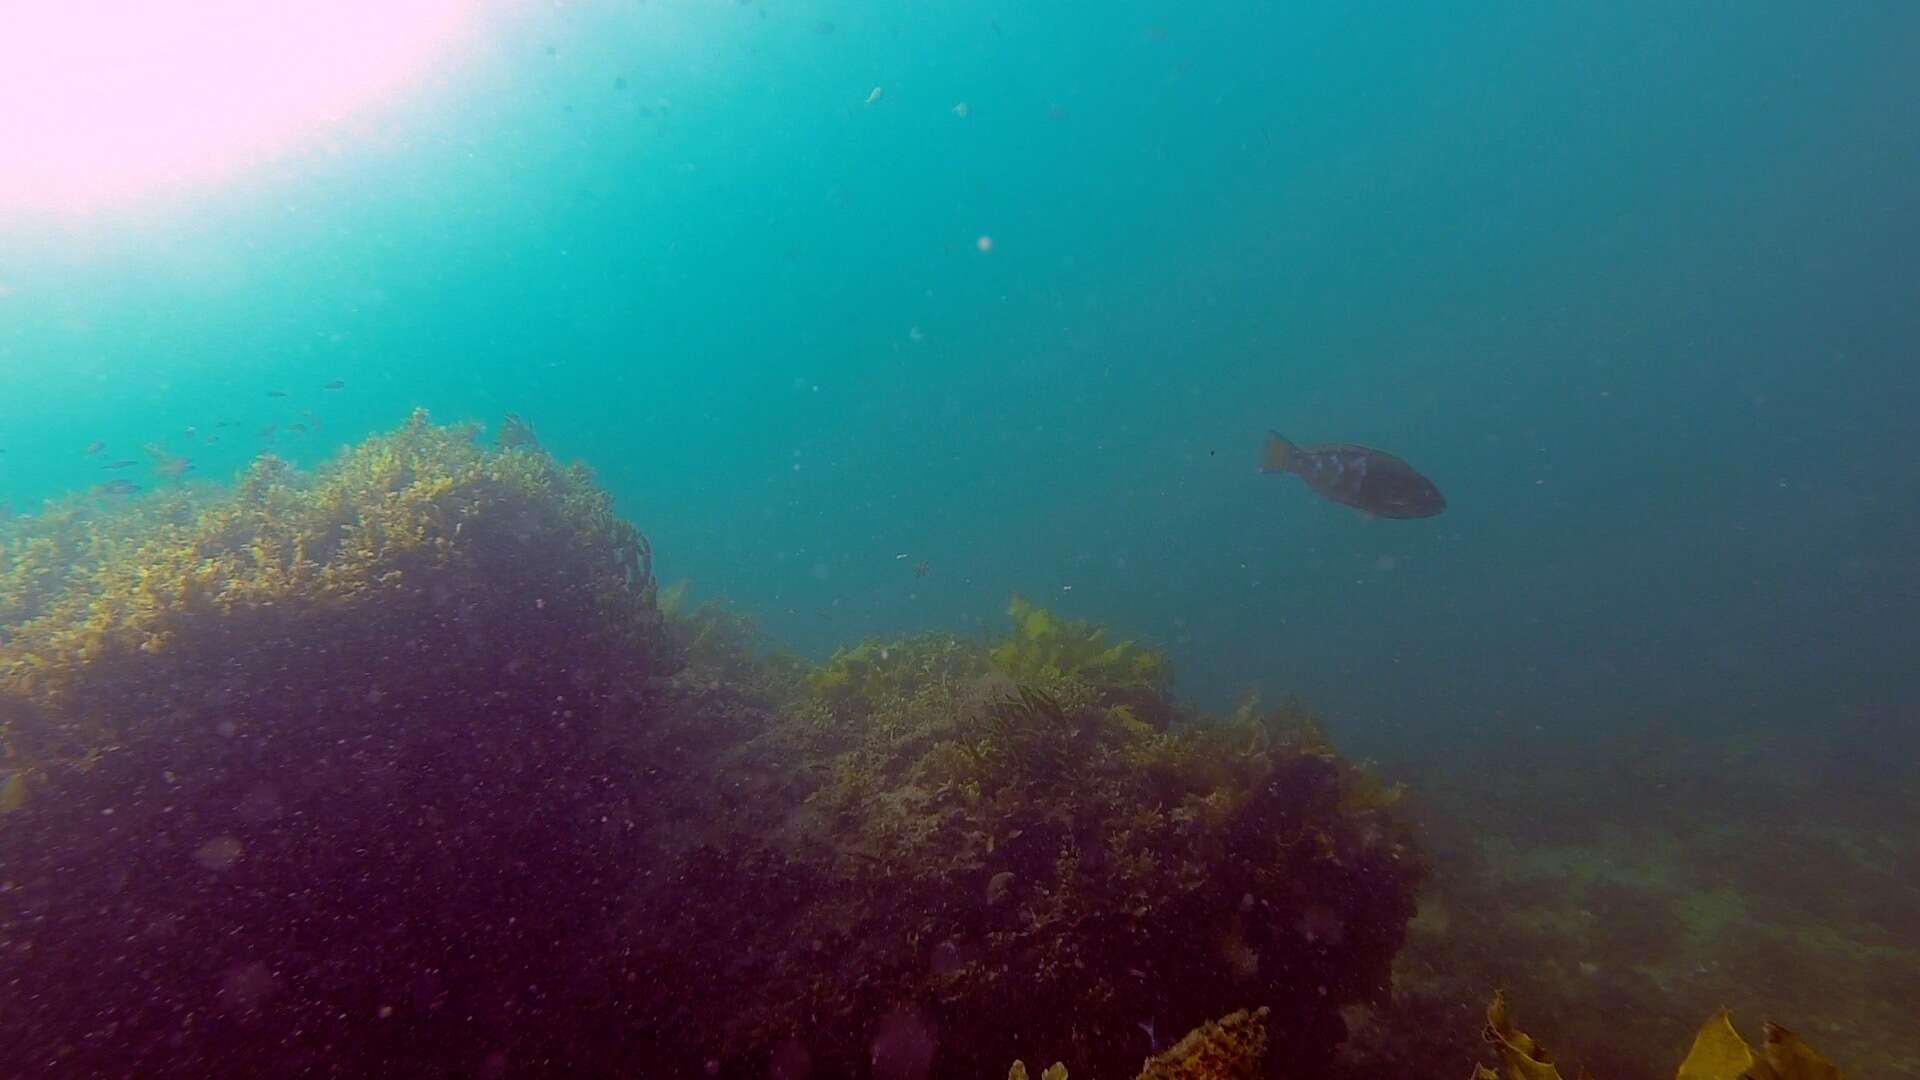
<point x="1632" y="283"/>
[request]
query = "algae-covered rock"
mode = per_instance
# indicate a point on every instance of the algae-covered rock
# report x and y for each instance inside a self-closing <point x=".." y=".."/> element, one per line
<point x="322" y="773"/>
<point x="1030" y="869"/>
<point x="1231" y="1048"/>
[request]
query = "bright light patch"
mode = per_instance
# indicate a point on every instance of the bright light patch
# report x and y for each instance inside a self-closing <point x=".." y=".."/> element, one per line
<point x="104" y="100"/>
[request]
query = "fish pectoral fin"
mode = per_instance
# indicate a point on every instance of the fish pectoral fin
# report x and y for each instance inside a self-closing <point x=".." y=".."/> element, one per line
<point x="1276" y="454"/>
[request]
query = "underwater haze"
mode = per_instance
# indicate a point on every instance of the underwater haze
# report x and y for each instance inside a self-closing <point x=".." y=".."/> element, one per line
<point x="871" y="316"/>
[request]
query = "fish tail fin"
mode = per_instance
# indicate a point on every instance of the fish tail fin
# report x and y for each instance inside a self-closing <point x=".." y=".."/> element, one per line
<point x="1277" y="454"/>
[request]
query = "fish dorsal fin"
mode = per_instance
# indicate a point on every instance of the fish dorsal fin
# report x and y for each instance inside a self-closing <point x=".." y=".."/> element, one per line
<point x="1277" y="454"/>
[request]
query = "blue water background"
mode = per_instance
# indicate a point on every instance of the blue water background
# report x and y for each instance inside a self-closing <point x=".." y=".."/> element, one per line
<point x="1634" y="282"/>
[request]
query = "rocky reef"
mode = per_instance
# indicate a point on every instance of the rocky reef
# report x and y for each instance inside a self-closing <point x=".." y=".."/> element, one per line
<point x="401" y="768"/>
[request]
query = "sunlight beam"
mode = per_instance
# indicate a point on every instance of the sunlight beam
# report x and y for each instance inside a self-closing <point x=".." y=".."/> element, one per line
<point x="103" y="101"/>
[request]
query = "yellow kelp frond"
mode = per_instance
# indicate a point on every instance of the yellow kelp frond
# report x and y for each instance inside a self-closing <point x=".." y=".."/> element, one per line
<point x="1718" y="1053"/>
<point x="1793" y="1059"/>
<point x="1524" y="1058"/>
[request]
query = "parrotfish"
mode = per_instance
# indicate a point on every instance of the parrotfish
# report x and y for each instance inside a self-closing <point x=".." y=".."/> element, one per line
<point x="1359" y="476"/>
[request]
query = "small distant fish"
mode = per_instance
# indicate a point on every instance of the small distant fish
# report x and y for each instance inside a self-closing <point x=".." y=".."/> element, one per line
<point x="337" y="384"/>
<point x="297" y="428"/>
<point x="226" y="423"/>
<point x="876" y="94"/>
<point x="1361" y="477"/>
<point x="116" y="487"/>
<point x="267" y="432"/>
<point x="963" y="110"/>
<point x="119" y="464"/>
<point x="93" y="448"/>
<point x="276" y="393"/>
<point x="178" y="466"/>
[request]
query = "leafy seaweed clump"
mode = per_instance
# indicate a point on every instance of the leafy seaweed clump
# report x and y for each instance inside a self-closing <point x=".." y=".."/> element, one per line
<point x="1065" y="656"/>
<point x="1026" y="867"/>
<point x="308" y="774"/>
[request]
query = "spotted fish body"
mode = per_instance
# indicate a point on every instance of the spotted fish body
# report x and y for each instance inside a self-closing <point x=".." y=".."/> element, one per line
<point x="1359" y="476"/>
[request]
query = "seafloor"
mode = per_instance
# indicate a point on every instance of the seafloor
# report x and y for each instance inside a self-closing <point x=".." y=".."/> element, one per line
<point x="409" y="767"/>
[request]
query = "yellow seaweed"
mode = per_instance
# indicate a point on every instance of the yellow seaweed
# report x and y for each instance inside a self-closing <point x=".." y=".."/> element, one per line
<point x="1524" y="1058"/>
<point x="1718" y="1053"/>
<point x="13" y="792"/>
